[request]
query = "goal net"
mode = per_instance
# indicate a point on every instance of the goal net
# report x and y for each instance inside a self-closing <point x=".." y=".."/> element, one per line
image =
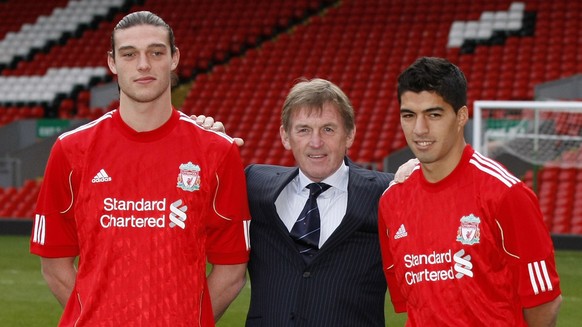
<point x="542" y="133"/>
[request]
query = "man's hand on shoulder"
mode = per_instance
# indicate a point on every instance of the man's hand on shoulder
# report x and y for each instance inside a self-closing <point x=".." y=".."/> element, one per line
<point x="217" y="126"/>
<point x="405" y="170"/>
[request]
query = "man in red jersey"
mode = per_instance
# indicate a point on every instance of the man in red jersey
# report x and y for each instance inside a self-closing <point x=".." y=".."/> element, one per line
<point x="463" y="240"/>
<point x="143" y="196"/>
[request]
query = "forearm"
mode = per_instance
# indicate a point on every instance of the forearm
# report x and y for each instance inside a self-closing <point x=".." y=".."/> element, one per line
<point x="224" y="284"/>
<point x="60" y="275"/>
<point x="545" y="315"/>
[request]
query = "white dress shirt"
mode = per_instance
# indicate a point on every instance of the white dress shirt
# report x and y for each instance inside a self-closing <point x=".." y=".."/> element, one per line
<point x="332" y="203"/>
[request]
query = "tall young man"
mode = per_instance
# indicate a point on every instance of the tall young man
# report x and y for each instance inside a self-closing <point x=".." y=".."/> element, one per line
<point x="143" y="197"/>
<point x="463" y="240"/>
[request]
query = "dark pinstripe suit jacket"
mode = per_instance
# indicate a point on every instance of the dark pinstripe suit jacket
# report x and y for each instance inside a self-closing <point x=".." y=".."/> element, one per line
<point x="344" y="285"/>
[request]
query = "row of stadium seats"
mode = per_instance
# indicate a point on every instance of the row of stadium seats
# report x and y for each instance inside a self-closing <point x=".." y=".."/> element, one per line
<point x="51" y="29"/>
<point x="30" y="90"/>
<point x="9" y="114"/>
<point x="489" y="23"/>
<point x="80" y="108"/>
<point x="14" y="14"/>
<point x="560" y="196"/>
<point x="19" y="202"/>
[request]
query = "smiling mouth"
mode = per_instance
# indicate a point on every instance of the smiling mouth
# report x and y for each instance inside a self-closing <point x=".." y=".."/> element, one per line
<point x="424" y="143"/>
<point x="316" y="156"/>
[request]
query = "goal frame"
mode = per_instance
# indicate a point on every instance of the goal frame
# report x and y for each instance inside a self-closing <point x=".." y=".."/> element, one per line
<point x="479" y="105"/>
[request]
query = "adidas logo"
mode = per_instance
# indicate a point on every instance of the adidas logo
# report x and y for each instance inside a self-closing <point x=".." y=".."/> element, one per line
<point x="401" y="232"/>
<point x="101" y="177"/>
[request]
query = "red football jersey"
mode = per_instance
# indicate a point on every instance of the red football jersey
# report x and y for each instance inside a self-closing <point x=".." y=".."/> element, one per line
<point x="144" y="212"/>
<point x="470" y="249"/>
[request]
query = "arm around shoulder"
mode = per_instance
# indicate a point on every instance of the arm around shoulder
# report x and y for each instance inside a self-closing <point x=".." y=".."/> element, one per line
<point x="543" y="315"/>
<point x="60" y="275"/>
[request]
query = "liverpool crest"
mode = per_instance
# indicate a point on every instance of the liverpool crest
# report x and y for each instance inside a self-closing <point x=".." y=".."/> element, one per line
<point x="469" y="233"/>
<point x="189" y="177"/>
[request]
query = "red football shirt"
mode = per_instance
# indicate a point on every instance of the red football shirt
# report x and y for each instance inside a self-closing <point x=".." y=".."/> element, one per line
<point x="144" y="212"/>
<point x="470" y="249"/>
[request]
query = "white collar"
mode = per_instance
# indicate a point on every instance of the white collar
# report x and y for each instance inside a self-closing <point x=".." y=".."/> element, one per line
<point x="338" y="180"/>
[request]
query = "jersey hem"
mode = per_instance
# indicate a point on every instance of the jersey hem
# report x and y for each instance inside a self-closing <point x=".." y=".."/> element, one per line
<point x="399" y="307"/>
<point x="54" y="251"/>
<point x="536" y="300"/>
<point x="228" y="258"/>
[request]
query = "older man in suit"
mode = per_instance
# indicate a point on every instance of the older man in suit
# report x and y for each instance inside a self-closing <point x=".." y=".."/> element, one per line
<point x="315" y="255"/>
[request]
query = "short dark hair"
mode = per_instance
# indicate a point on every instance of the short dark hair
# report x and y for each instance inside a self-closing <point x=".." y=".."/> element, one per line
<point x="143" y="18"/>
<point x="435" y="75"/>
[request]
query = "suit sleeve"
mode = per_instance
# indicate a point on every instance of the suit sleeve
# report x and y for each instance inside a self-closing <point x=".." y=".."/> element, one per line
<point x="396" y="297"/>
<point x="529" y="245"/>
<point x="54" y="232"/>
<point x="227" y="233"/>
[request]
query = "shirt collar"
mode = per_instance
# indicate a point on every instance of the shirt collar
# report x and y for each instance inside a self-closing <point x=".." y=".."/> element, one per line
<point x="338" y="180"/>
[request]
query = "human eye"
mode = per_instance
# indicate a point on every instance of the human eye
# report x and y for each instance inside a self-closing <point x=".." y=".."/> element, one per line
<point x="434" y="115"/>
<point x="302" y="130"/>
<point x="157" y="51"/>
<point x="406" y="115"/>
<point x="329" y="130"/>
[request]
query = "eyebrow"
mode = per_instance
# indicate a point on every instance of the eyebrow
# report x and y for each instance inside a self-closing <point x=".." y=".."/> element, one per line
<point x="151" y="46"/>
<point x="427" y="110"/>
<point x="308" y="123"/>
<point x="301" y="126"/>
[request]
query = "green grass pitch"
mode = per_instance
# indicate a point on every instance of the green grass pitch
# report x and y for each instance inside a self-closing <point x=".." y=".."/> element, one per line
<point x="26" y="301"/>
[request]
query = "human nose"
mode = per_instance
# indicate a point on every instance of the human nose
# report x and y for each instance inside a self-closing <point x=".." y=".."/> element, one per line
<point x="315" y="140"/>
<point x="143" y="62"/>
<point x="420" y="126"/>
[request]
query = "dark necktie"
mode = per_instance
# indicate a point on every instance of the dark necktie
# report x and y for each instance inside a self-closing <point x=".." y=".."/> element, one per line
<point x="305" y="231"/>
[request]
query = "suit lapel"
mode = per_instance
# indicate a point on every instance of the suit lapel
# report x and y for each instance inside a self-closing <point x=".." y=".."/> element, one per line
<point x="276" y="185"/>
<point x="357" y="197"/>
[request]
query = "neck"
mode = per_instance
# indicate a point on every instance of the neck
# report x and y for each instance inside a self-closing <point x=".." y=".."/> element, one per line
<point x="436" y="171"/>
<point x="144" y="116"/>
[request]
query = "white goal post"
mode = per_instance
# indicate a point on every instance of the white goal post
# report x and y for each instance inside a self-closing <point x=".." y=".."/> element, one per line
<point x="538" y="132"/>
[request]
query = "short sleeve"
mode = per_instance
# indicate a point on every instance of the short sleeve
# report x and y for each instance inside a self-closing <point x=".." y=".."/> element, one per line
<point x="396" y="297"/>
<point x="54" y="232"/>
<point x="228" y="228"/>
<point x="529" y="246"/>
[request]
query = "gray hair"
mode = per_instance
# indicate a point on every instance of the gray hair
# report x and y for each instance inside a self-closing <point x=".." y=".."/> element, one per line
<point x="313" y="94"/>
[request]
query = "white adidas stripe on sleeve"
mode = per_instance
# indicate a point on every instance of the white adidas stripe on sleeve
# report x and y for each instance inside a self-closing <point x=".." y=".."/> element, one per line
<point x="539" y="277"/>
<point x="247" y="224"/>
<point x="39" y="229"/>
